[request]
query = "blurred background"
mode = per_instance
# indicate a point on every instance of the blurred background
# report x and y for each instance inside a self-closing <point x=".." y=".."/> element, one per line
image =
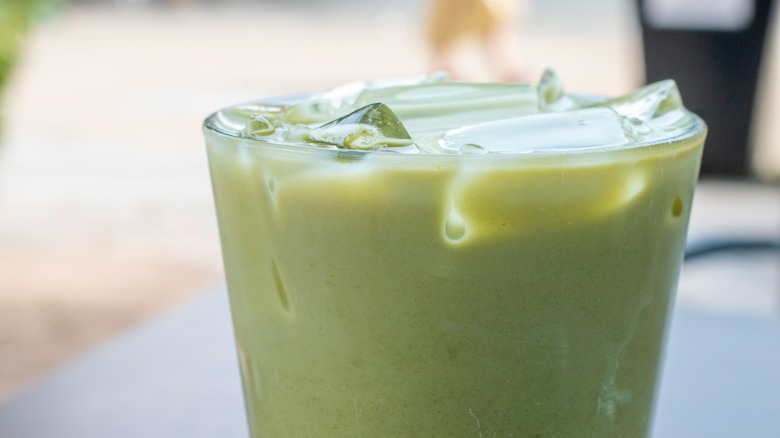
<point x="106" y="214"/>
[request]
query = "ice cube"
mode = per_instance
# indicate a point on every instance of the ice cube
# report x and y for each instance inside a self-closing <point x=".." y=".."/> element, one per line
<point x="428" y="110"/>
<point x="545" y="132"/>
<point x="258" y="126"/>
<point x="648" y="102"/>
<point x="234" y="119"/>
<point x="449" y="98"/>
<point x="381" y="91"/>
<point x="373" y="126"/>
<point x="325" y="106"/>
<point x="310" y="111"/>
<point x="334" y="103"/>
<point x="551" y="95"/>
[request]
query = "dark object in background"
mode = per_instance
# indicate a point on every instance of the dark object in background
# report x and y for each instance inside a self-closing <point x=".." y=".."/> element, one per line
<point x="714" y="53"/>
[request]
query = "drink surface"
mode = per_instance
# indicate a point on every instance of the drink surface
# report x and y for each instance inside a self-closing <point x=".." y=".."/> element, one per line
<point x="432" y="115"/>
<point x="450" y="259"/>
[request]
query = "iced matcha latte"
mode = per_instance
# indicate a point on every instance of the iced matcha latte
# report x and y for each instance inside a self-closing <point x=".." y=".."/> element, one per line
<point x="429" y="258"/>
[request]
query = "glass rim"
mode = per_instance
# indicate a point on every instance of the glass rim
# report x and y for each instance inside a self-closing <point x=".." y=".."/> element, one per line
<point x="698" y="128"/>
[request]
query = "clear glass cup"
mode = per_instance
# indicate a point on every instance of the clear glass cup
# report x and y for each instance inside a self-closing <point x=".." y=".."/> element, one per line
<point x="387" y="294"/>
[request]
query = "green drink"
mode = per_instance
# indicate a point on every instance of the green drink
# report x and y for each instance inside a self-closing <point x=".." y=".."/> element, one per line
<point x="441" y="259"/>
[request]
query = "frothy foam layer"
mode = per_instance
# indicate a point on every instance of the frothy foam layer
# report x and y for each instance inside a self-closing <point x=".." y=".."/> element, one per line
<point x="432" y="115"/>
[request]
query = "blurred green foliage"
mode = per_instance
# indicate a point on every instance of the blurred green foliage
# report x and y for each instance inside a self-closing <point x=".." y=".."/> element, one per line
<point x="16" y="17"/>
